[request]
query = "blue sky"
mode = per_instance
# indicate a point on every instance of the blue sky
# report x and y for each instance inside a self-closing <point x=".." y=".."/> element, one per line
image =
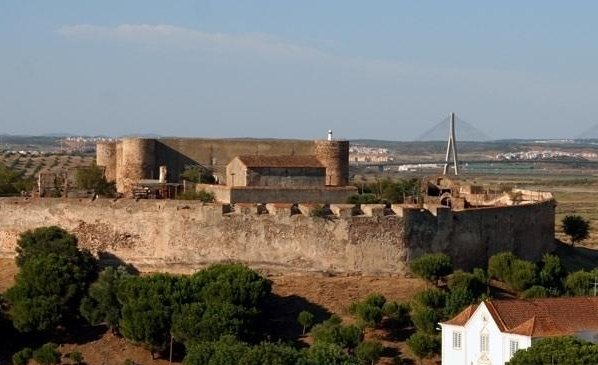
<point x="367" y="69"/>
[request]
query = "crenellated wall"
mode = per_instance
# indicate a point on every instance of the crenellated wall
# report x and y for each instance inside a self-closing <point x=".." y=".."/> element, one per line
<point x="182" y="236"/>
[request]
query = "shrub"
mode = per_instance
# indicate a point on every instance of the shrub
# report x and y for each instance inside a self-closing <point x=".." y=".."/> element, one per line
<point x="580" y="283"/>
<point x="369" y="351"/>
<point x="22" y="357"/>
<point x="270" y="353"/>
<point x="425" y="319"/>
<point x="432" y="266"/>
<point x="198" y="174"/>
<point x="76" y="357"/>
<point x="551" y="272"/>
<point x="557" y="350"/>
<point x="518" y="274"/>
<point x="473" y="283"/>
<point x="457" y="300"/>
<point x="101" y="304"/>
<point x="535" y="291"/>
<point x="328" y="354"/>
<point x="305" y="319"/>
<point x="47" y="354"/>
<point x="398" y="312"/>
<point x="363" y="199"/>
<point x="433" y="298"/>
<point x="201" y="195"/>
<point x="369" y="311"/>
<point x="92" y="178"/>
<point x="424" y="345"/>
<point x="333" y="332"/>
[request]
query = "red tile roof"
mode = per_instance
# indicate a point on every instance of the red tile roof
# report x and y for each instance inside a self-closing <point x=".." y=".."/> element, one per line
<point x="280" y="161"/>
<point x="539" y="317"/>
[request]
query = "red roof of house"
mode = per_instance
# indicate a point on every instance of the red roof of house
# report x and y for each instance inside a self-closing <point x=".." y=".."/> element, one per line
<point x="280" y="161"/>
<point x="539" y="317"/>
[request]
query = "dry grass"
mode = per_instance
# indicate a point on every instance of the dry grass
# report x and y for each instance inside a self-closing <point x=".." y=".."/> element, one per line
<point x="31" y="165"/>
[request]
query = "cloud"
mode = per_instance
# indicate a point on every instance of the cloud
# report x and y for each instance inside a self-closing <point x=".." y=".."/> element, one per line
<point x="169" y="36"/>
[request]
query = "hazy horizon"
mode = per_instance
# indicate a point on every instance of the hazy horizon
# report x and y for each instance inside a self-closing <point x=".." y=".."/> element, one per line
<point x="388" y="71"/>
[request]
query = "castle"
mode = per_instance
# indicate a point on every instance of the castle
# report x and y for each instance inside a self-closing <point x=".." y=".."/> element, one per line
<point x="249" y="170"/>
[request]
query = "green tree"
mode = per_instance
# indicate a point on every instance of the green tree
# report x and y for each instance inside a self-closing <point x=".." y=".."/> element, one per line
<point x="323" y="353"/>
<point x="369" y="351"/>
<point x="576" y="227"/>
<point x="424" y="345"/>
<point x="431" y="267"/>
<point x="271" y="354"/>
<point x="198" y="175"/>
<point x="398" y="312"/>
<point x="557" y="350"/>
<point x="580" y="283"/>
<point x="551" y="272"/>
<point x="518" y="274"/>
<point x="13" y="182"/>
<point x="305" y="319"/>
<point x="93" y="178"/>
<point x="47" y="292"/>
<point x="457" y="300"/>
<point x="226" y="351"/>
<point x="101" y="304"/>
<point x="474" y="283"/>
<point x="536" y="291"/>
<point x="53" y="240"/>
<point x="433" y="298"/>
<point x="22" y="357"/>
<point x="47" y="354"/>
<point x="425" y="319"/>
<point x="367" y="198"/>
<point x="334" y="332"/>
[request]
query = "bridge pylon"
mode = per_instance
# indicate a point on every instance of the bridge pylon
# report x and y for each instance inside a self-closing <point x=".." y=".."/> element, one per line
<point x="451" y="149"/>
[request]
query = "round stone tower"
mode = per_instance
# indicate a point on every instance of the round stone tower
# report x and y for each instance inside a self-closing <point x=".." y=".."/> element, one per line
<point x="106" y="157"/>
<point x="138" y="162"/>
<point x="334" y="155"/>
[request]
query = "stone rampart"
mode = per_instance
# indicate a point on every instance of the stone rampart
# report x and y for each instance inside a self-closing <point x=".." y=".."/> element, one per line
<point x="183" y="236"/>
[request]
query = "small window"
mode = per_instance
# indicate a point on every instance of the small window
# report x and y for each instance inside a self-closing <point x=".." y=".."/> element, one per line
<point x="513" y="347"/>
<point x="457" y="340"/>
<point x="484" y="343"/>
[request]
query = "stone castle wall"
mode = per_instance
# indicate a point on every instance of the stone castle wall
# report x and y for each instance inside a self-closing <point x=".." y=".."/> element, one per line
<point x="183" y="236"/>
<point x="133" y="159"/>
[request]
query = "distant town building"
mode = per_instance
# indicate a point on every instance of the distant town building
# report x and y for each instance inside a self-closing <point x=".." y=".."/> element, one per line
<point x="361" y="153"/>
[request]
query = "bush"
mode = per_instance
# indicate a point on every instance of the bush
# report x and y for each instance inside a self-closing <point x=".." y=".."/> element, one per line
<point x="201" y="195"/>
<point x="474" y="283"/>
<point x="22" y="357"/>
<point x="457" y="300"/>
<point x="198" y="175"/>
<point x="433" y="298"/>
<point x="271" y="354"/>
<point x="92" y="178"/>
<point x="551" y="272"/>
<point x="101" y="304"/>
<point x="328" y="354"/>
<point x="398" y="312"/>
<point x="535" y="291"/>
<point x="76" y="357"/>
<point x="580" y="283"/>
<point x="47" y="354"/>
<point x="369" y="311"/>
<point x="576" y="227"/>
<point x="305" y="319"/>
<point x="47" y="291"/>
<point x="432" y="266"/>
<point x="369" y="351"/>
<point x="424" y="345"/>
<point x="363" y="199"/>
<point x="333" y="331"/>
<point x="557" y="350"/>
<point x="518" y="274"/>
<point x="226" y="351"/>
<point x="425" y="319"/>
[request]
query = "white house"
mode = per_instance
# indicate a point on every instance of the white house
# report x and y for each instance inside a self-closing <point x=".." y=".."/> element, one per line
<point x="491" y="332"/>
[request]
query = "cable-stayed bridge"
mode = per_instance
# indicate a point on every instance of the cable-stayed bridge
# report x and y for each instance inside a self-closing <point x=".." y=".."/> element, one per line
<point x="465" y="132"/>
